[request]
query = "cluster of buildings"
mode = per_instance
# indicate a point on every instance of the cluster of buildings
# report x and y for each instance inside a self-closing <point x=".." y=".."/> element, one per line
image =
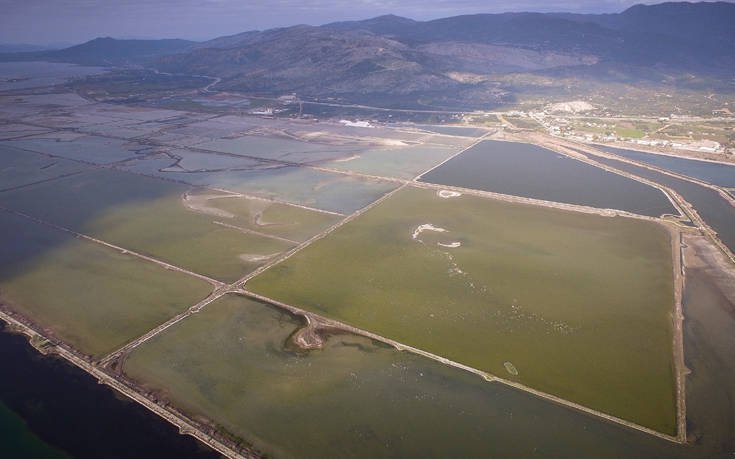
<point x="563" y="127"/>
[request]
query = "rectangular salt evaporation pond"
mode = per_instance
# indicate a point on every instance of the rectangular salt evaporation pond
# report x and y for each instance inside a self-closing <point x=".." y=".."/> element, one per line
<point x="19" y="168"/>
<point x="90" y="296"/>
<point x="716" y="211"/>
<point x="280" y="149"/>
<point x="149" y="216"/>
<point x="15" y="107"/>
<point x="711" y="172"/>
<point x="530" y="171"/>
<point x="206" y="130"/>
<point x="12" y="131"/>
<point x="178" y="163"/>
<point x="231" y="364"/>
<point x="460" y="131"/>
<point x="404" y="162"/>
<point x="91" y="149"/>
<point x="328" y="191"/>
<point x="294" y="223"/>
<point x="568" y="303"/>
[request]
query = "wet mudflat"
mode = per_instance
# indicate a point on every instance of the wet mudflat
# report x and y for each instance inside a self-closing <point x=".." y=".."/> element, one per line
<point x="709" y="339"/>
<point x="530" y="171"/>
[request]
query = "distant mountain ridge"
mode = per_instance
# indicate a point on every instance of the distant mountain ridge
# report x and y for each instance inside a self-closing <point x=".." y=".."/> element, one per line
<point x="397" y="60"/>
<point x="106" y="51"/>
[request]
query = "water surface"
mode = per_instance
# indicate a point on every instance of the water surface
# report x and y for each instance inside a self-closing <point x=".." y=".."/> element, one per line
<point x="66" y="409"/>
<point x="710" y="205"/>
<point x="714" y="173"/>
<point x="530" y="171"/>
<point x="356" y="398"/>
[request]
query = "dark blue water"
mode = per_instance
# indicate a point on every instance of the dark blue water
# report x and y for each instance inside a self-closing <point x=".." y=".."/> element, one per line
<point x="17" y="440"/>
<point x="710" y="205"/>
<point x="55" y="410"/>
<point x="522" y="169"/>
<point x="714" y="173"/>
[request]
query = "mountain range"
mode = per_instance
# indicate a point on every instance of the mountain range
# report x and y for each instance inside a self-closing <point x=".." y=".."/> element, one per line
<point x="392" y="59"/>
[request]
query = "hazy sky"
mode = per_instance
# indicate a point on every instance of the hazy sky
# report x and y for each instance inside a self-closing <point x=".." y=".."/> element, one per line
<point x="75" y="21"/>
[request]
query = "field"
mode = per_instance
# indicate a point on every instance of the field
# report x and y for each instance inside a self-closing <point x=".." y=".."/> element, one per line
<point x="149" y="216"/>
<point x="90" y="296"/>
<point x="354" y="398"/>
<point x="594" y="329"/>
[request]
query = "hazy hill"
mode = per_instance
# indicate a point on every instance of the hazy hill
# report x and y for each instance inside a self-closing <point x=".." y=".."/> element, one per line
<point x="24" y="48"/>
<point x="394" y="59"/>
<point x="463" y="60"/>
<point x="106" y="51"/>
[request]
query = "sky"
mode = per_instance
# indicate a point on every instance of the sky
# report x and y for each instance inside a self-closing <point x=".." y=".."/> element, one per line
<point x="76" y="21"/>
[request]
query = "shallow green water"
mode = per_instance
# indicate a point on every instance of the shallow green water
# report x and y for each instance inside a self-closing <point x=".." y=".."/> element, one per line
<point x="356" y="398"/>
<point x="577" y="303"/>
<point x="146" y="215"/>
<point x="93" y="297"/>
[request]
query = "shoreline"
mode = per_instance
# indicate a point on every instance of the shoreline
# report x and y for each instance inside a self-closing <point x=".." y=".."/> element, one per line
<point x="186" y="426"/>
